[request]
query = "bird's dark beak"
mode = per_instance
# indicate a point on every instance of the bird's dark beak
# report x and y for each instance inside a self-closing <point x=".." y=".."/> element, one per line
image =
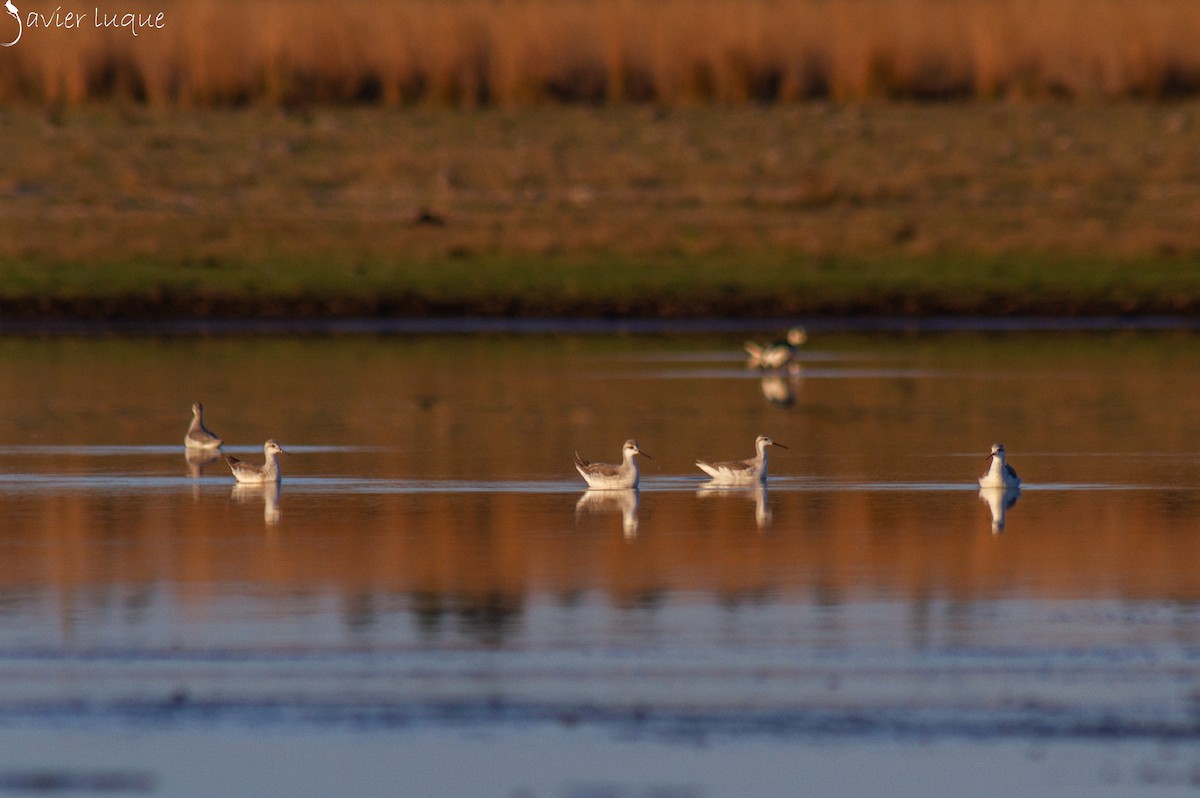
<point x="780" y="445"/>
<point x="643" y="454"/>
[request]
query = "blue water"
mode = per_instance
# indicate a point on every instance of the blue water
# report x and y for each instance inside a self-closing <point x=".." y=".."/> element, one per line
<point x="431" y="575"/>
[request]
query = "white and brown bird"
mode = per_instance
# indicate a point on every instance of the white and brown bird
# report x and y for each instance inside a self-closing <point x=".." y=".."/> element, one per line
<point x="1000" y="474"/>
<point x="742" y="472"/>
<point x="603" y="476"/>
<point x="250" y="473"/>
<point x="779" y="354"/>
<point x="198" y="436"/>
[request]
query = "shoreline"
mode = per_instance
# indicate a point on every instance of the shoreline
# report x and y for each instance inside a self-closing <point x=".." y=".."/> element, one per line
<point x="561" y="325"/>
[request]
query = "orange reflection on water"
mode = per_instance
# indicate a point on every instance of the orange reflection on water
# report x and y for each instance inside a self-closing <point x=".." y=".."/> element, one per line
<point x="873" y="420"/>
<point x="822" y="546"/>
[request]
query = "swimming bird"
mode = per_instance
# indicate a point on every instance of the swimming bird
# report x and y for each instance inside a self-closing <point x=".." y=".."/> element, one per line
<point x="267" y="472"/>
<point x="779" y="354"/>
<point x="742" y="472"/>
<point x="612" y="477"/>
<point x="198" y="436"/>
<point x="1001" y="474"/>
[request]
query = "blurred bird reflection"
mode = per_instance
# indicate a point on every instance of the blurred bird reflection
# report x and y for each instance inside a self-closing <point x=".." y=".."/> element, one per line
<point x="999" y="500"/>
<point x="624" y="502"/>
<point x="266" y="492"/>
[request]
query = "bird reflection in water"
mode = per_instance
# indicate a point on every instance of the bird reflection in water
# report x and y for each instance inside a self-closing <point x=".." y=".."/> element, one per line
<point x="999" y="500"/>
<point x="780" y="387"/>
<point x="624" y="502"/>
<point x="267" y="492"/>
<point x="757" y="494"/>
<point x="199" y="459"/>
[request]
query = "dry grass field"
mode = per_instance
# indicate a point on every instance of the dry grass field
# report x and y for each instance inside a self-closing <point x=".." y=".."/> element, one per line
<point x="510" y="53"/>
<point x="603" y="156"/>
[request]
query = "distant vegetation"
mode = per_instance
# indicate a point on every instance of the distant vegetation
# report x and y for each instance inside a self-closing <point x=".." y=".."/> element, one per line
<point x="804" y="208"/>
<point x="514" y="53"/>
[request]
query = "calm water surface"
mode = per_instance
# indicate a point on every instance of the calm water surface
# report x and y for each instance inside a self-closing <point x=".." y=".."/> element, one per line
<point x="431" y="568"/>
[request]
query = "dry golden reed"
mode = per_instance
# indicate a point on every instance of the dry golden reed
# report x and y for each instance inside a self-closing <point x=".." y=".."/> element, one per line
<point x="509" y="53"/>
